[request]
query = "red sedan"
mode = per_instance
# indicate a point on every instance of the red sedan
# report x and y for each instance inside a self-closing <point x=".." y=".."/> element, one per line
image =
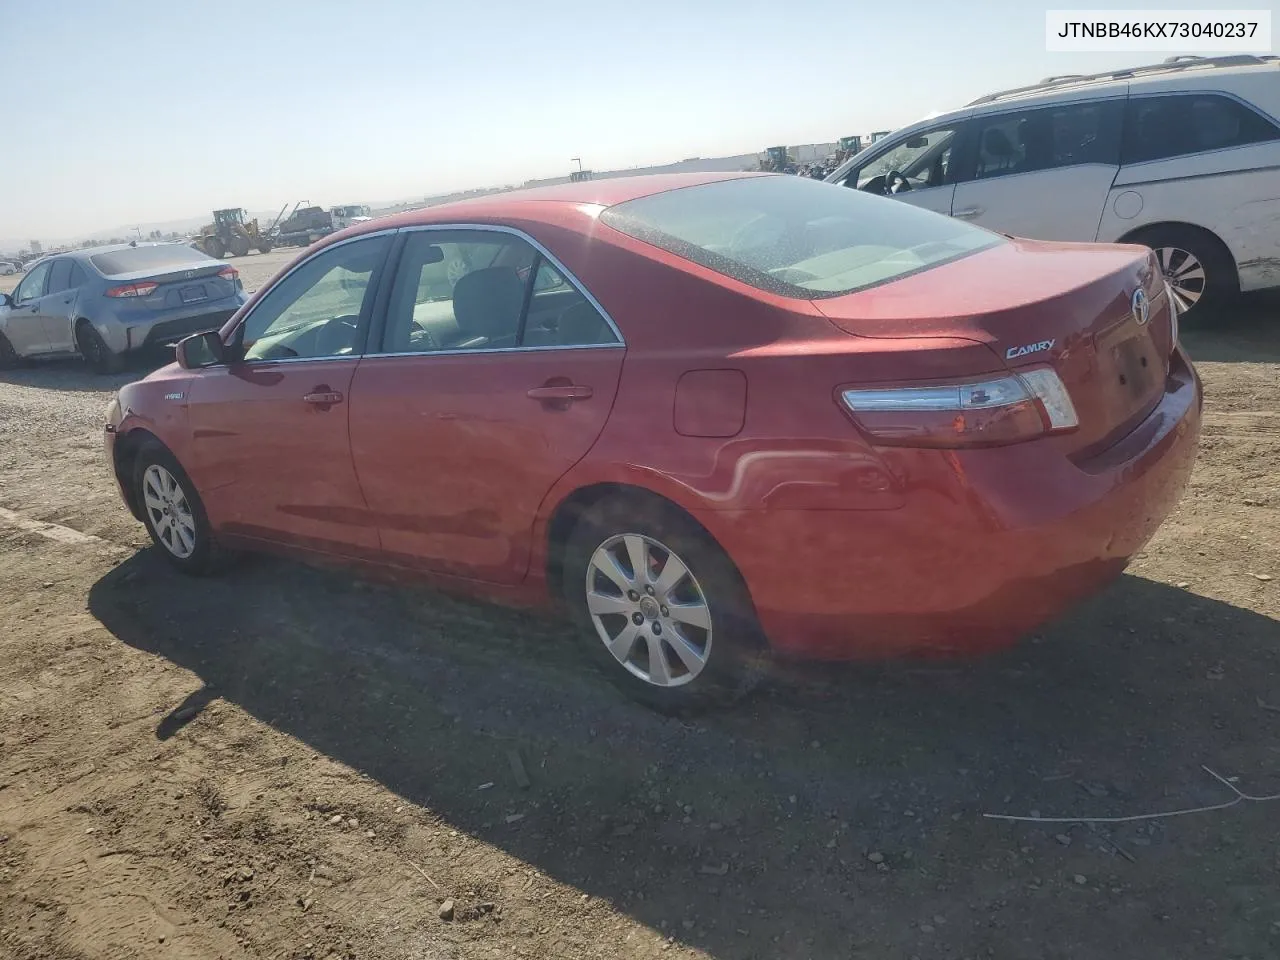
<point x="714" y="415"/>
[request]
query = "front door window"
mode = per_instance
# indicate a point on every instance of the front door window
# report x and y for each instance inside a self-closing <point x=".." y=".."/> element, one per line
<point x="32" y="285"/>
<point x="918" y="162"/>
<point x="320" y="309"/>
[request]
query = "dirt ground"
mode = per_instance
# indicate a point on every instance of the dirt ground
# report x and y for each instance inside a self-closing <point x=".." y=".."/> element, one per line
<point x="292" y="763"/>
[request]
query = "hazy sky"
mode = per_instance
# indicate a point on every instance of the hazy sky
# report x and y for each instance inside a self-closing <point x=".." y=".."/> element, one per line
<point x="129" y="112"/>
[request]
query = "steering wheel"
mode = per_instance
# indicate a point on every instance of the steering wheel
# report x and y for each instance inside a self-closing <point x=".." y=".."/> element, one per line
<point x="337" y="337"/>
<point x="895" y="182"/>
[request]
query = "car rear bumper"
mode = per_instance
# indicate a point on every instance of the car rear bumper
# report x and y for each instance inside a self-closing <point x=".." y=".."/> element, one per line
<point x="135" y="329"/>
<point x="1006" y="542"/>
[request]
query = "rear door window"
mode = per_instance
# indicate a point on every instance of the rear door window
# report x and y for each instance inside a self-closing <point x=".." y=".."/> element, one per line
<point x="1177" y="125"/>
<point x="59" y="276"/>
<point x="1047" y="138"/>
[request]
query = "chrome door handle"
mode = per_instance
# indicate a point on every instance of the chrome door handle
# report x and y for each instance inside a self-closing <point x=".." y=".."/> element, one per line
<point x="570" y="391"/>
<point x="969" y="212"/>
<point x="323" y="397"/>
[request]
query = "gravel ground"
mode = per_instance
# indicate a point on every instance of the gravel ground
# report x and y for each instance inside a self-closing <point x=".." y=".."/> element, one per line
<point x="289" y="762"/>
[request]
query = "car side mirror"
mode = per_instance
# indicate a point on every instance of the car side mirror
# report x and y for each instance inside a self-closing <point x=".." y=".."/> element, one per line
<point x="6" y="300"/>
<point x="201" y="350"/>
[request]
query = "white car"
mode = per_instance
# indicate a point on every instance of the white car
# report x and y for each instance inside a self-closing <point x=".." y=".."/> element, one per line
<point x="349" y="214"/>
<point x="1181" y="156"/>
<point x="7" y="268"/>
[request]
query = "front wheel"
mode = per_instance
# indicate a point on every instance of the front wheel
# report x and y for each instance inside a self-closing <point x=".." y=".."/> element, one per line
<point x="660" y="608"/>
<point x="8" y="356"/>
<point x="173" y="512"/>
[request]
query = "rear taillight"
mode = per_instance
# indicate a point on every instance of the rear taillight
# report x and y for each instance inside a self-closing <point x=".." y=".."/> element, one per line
<point x="992" y="412"/>
<point x="229" y="273"/>
<point x="133" y="290"/>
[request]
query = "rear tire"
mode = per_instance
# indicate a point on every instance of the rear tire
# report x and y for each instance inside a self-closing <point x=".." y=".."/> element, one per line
<point x="174" y="514"/>
<point x="677" y="642"/>
<point x="1197" y="266"/>
<point x="8" y="356"/>
<point x="96" y="353"/>
<point x="264" y="248"/>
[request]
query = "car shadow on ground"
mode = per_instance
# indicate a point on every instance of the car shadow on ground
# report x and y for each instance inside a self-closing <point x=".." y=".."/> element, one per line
<point x="838" y="809"/>
<point x="72" y="375"/>
<point x="1246" y="332"/>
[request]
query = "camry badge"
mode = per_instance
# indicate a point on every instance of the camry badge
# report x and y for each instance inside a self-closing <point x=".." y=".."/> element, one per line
<point x="1039" y="347"/>
<point x="1141" y="306"/>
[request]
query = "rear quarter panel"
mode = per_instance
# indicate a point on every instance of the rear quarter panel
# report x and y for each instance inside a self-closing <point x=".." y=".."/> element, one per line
<point x="1233" y="193"/>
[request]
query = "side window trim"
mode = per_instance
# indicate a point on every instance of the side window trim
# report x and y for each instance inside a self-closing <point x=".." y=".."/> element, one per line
<point x="543" y="254"/>
<point x="367" y="308"/>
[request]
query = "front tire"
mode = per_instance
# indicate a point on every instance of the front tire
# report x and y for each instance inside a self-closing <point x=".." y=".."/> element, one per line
<point x="660" y="608"/>
<point x="96" y="353"/>
<point x="173" y="512"/>
<point x="8" y="356"/>
<point x="1198" y="268"/>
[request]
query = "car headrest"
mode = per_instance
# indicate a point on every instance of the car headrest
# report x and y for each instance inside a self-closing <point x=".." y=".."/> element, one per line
<point x="487" y="302"/>
<point x="996" y="144"/>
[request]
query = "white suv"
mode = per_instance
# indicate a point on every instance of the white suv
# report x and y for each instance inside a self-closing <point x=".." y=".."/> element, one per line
<point x="1181" y="156"/>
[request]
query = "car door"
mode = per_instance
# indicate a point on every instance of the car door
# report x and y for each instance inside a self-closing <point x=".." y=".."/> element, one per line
<point x="269" y="432"/>
<point x="916" y="167"/>
<point x="1042" y="173"/>
<point x="58" y="304"/>
<point x="23" y="325"/>
<point x="494" y="375"/>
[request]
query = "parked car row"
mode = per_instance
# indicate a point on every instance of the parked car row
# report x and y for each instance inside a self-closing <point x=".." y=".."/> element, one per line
<point x="1181" y="157"/>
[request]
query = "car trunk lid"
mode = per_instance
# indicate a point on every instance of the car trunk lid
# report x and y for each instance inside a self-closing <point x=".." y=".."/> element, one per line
<point x="1077" y="308"/>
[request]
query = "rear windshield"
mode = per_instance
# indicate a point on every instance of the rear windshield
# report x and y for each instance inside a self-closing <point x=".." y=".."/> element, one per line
<point x="796" y="236"/>
<point x="162" y="257"/>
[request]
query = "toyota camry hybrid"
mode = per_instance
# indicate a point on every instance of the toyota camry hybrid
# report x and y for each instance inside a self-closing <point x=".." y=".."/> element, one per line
<point x="712" y="416"/>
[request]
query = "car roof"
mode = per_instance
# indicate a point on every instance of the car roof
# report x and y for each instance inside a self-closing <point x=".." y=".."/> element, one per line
<point x="521" y="203"/>
<point x="1173" y="72"/>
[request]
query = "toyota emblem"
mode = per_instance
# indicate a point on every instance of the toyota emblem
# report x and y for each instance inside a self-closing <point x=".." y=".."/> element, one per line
<point x="1141" y="306"/>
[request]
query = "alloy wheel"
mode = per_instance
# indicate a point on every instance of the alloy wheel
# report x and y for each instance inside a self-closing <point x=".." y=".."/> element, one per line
<point x="1185" y="275"/>
<point x="169" y="512"/>
<point x="649" y="610"/>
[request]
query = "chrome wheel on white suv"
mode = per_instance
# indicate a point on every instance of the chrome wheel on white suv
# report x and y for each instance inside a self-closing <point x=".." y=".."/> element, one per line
<point x="1198" y="268"/>
<point x="1185" y="275"/>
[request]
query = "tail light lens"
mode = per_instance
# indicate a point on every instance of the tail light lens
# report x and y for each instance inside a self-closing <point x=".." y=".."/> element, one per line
<point x="993" y="412"/>
<point x="229" y="273"/>
<point x="133" y="290"/>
